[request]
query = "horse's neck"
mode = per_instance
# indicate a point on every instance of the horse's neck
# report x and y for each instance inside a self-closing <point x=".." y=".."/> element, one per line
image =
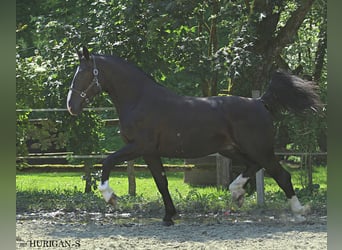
<point x="124" y="84"/>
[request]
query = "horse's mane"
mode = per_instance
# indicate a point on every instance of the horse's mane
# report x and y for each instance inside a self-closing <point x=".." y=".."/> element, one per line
<point x="131" y="65"/>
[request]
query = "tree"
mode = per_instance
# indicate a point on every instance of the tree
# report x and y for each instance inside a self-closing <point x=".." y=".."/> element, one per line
<point x="271" y="26"/>
<point x="46" y="74"/>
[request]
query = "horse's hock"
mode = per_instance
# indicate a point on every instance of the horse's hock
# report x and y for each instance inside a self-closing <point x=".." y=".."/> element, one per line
<point x="211" y="170"/>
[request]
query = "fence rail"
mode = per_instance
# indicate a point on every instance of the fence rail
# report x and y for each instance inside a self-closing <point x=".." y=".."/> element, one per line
<point x="67" y="156"/>
<point x="70" y="155"/>
<point x="61" y="167"/>
<point x="63" y="109"/>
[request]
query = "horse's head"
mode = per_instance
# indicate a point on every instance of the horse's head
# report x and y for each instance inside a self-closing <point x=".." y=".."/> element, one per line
<point x="85" y="84"/>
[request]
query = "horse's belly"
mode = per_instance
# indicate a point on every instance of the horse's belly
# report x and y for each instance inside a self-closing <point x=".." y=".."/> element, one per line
<point x="190" y="145"/>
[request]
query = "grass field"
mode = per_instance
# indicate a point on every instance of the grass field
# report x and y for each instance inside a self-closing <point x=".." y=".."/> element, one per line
<point x="53" y="191"/>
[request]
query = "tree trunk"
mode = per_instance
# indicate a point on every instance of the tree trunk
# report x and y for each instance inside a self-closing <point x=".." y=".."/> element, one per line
<point x="267" y="47"/>
<point x="287" y="34"/>
<point x="320" y="54"/>
<point x="209" y="83"/>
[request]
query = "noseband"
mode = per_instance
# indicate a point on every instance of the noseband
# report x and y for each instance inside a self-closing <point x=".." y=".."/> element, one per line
<point x="94" y="83"/>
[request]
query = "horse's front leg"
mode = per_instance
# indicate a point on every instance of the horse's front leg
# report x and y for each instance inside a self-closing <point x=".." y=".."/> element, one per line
<point x="156" y="167"/>
<point x="126" y="153"/>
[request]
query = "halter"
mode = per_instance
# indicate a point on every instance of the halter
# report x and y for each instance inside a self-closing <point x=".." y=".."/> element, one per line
<point x="94" y="82"/>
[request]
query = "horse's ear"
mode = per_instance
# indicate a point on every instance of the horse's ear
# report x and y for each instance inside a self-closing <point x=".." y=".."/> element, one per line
<point x="85" y="52"/>
<point x="79" y="53"/>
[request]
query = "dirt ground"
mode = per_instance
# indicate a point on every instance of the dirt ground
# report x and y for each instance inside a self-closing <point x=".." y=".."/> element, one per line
<point x="259" y="230"/>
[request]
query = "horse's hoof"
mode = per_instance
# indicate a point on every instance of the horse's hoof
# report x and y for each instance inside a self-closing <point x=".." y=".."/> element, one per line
<point x="297" y="208"/>
<point x="238" y="197"/>
<point x="168" y="223"/>
<point x="306" y="209"/>
<point x="112" y="200"/>
<point x="298" y="218"/>
<point x="239" y="200"/>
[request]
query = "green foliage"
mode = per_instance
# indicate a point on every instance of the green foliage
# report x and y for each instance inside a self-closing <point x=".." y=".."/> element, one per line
<point x="203" y="202"/>
<point x="21" y="131"/>
<point x="53" y="200"/>
<point x="85" y="134"/>
<point x="46" y="75"/>
<point x="46" y="135"/>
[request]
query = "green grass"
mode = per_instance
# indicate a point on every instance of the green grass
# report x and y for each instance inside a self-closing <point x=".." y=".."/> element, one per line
<point x="54" y="191"/>
<point x="298" y="178"/>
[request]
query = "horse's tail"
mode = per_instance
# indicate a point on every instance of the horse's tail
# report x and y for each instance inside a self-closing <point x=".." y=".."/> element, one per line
<point x="291" y="93"/>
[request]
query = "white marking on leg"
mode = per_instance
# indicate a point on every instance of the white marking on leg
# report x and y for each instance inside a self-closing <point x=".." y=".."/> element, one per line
<point x="236" y="187"/>
<point x="297" y="208"/>
<point x="238" y="183"/>
<point x="106" y="190"/>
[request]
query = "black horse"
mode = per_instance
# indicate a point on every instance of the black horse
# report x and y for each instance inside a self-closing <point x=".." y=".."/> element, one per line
<point x="156" y="122"/>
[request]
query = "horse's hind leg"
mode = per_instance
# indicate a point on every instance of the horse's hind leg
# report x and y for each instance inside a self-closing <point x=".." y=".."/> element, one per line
<point x="156" y="167"/>
<point x="283" y="178"/>
<point x="237" y="186"/>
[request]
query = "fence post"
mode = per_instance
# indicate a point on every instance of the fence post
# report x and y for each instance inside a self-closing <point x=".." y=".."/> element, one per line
<point x="260" y="174"/>
<point x="88" y="166"/>
<point x="260" y="187"/>
<point x="131" y="178"/>
<point x="223" y="171"/>
<point x="309" y="169"/>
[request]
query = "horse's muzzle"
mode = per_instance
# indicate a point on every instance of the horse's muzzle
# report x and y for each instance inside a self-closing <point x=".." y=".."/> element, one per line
<point x="72" y="108"/>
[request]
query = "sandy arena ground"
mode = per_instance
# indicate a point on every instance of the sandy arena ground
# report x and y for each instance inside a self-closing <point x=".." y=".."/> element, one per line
<point x="59" y="230"/>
